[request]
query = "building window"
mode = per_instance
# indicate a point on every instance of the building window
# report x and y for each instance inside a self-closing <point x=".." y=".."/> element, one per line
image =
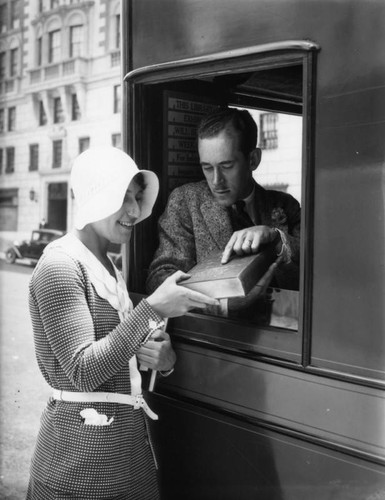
<point x="58" y="115"/>
<point x="117" y="99"/>
<point x="75" y="108"/>
<point x="268" y="131"/>
<point x="11" y="119"/>
<point x="76" y="40"/>
<point x="117" y="31"/>
<point x="33" y="157"/>
<point x="1" y="161"/>
<point x="84" y="143"/>
<point x="2" y="65"/>
<point x="54" y="4"/>
<point x="57" y="148"/>
<point x="10" y="166"/>
<point x="14" y="54"/>
<point x="54" y="46"/>
<point x="42" y="114"/>
<point x="39" y="51"/>
<point x="3" y="17"/>
<point x="41" y="5"/>
<point x="15" y="14"/>
<point x="117" y="140"/>
<point x="2" y="120"/>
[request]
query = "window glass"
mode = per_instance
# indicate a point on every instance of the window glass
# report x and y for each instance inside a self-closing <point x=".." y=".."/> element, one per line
<point x="3" y="17"/>
<point x="76" y="40"/>
<point x="116" y="140"/>
<point x="39" y="51"/>
<point x="11" y="119"/>
<point x="2" y="65"/>
<point x="117" y="99"/>
<point x="75" y="108"/>
<point x="54" y="48"/>
<point x="57" y="154"/>
<point x="33" y="157"/>
<point x="2" y="120"/>
<point x="84" y="143"/>
<point x="10" y="167"/>
<point x="58" y="115"/>
<point x="42" y="114"/>
<point x="13" y="62"/>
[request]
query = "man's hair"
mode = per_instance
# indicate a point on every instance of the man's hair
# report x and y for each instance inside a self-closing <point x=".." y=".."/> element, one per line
<point x="241" y="121"/>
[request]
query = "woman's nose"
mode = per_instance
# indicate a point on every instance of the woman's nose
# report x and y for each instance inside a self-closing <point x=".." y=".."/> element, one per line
<point x="133" y="210"/>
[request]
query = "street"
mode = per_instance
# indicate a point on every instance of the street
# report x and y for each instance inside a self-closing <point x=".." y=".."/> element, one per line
<point x="23" y="389"/>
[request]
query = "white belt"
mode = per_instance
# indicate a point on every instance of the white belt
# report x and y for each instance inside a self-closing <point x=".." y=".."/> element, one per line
<point x="105" y="397"/>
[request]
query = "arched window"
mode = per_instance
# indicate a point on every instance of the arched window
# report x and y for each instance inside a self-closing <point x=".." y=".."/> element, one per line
<point x="14" y="58"/>
<point x="54" y="41"/>
<point x="76" y="35"/>
<point x="114" y="26"/>
<point x="39" y="47"/>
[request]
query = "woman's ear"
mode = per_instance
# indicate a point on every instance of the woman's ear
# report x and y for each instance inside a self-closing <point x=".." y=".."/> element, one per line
<point x="255" y="158"/>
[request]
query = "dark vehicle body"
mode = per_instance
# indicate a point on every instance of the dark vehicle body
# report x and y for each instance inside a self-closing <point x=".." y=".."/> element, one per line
<point x="33" y="248"/>
<point x="264" y="411"/>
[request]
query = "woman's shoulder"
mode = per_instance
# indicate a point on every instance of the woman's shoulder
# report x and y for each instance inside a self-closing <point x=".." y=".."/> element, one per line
<point x="55" y="265"/>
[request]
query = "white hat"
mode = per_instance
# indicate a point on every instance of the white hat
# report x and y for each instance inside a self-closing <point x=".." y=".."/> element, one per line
<point x="100" y="178"/>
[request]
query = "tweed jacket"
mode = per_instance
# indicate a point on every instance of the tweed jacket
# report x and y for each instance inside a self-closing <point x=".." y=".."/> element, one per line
<point x="194" y="225"/>
<point x="81" y="345"/>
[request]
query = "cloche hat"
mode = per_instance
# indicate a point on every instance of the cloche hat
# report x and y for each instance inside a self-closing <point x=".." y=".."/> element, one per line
<point x="99" y="180"/>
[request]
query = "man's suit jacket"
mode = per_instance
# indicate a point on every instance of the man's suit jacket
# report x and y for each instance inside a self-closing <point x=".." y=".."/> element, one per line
<point x="194" y="225"/>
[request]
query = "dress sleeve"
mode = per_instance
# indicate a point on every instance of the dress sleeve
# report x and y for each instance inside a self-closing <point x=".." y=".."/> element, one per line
<point x="61" y="315"/>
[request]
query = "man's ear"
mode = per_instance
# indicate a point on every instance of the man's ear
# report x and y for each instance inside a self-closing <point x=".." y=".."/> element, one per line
<point x="255" y="158"/>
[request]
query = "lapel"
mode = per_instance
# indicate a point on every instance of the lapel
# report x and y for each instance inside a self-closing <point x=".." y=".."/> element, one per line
<point x="262" y="206"/>
<point x="217" y="221"/>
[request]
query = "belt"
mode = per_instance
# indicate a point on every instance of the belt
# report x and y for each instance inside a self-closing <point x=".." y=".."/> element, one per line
<point x="137" y="401"/>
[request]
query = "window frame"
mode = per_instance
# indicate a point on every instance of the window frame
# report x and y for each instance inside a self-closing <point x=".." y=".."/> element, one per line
<point x="117" y="99"/>
<point x="13" y="62"/>
<point x="76" y="46"/>
<point x="10" y="159"/>
<point x="57" y="153"/>
<point x="206" y="330"/>
<point x="58" y="111"/>
<point x="33" y="157"/>
<point x="54" y="46"/>
<point x="11" y="122"/>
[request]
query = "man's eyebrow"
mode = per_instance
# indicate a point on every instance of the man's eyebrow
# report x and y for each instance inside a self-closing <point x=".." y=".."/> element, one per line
<point x="225" y="162"/>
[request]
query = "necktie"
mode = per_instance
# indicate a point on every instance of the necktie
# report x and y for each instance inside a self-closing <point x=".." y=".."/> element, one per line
<point x="240" y="219"/>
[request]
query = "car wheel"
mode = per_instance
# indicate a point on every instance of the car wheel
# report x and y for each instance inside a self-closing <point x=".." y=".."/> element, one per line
<point x="10" y="255"/>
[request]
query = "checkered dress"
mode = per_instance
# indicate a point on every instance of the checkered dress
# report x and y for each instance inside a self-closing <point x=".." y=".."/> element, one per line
<point x="81" y="346"/>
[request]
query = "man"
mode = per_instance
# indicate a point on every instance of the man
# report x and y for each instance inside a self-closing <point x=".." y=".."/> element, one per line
<point x="204" y="216"/>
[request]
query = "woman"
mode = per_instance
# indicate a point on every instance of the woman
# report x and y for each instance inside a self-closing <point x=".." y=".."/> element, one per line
<point x="94" y="440"/>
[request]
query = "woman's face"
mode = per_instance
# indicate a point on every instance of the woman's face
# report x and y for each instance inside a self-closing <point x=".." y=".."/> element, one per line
<point x="117" y="227"/>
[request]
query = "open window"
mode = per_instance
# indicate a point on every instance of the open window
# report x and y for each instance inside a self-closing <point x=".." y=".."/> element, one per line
<point x="166" y="103"/>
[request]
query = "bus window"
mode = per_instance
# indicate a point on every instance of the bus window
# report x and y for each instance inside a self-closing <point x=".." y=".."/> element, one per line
<point x="168" y="108"/>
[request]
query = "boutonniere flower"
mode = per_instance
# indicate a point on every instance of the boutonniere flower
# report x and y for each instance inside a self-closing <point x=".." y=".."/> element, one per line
<point x="278" y="217"/>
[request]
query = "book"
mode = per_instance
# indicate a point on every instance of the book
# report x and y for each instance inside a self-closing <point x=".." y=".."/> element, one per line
<point x="234" y="279"/>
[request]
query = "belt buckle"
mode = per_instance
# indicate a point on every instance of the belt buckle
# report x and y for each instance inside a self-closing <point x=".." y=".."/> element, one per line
<point x="139" y="401"/>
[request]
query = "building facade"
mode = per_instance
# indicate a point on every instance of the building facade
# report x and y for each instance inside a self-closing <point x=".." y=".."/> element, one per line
<point x="60" y="93"/>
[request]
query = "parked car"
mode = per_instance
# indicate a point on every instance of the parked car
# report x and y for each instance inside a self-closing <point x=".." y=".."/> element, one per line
<point x="33" y="248"/>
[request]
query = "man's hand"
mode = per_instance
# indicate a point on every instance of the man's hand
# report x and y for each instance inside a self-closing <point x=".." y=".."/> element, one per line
<point x="171" y="300"/>
<point x="249" y="241"/>
<point x="157" y="353"/>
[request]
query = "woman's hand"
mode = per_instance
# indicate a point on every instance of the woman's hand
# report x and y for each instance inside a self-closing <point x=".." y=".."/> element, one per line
<point x="171" y="300"/>
<point x="157" y="353"/>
